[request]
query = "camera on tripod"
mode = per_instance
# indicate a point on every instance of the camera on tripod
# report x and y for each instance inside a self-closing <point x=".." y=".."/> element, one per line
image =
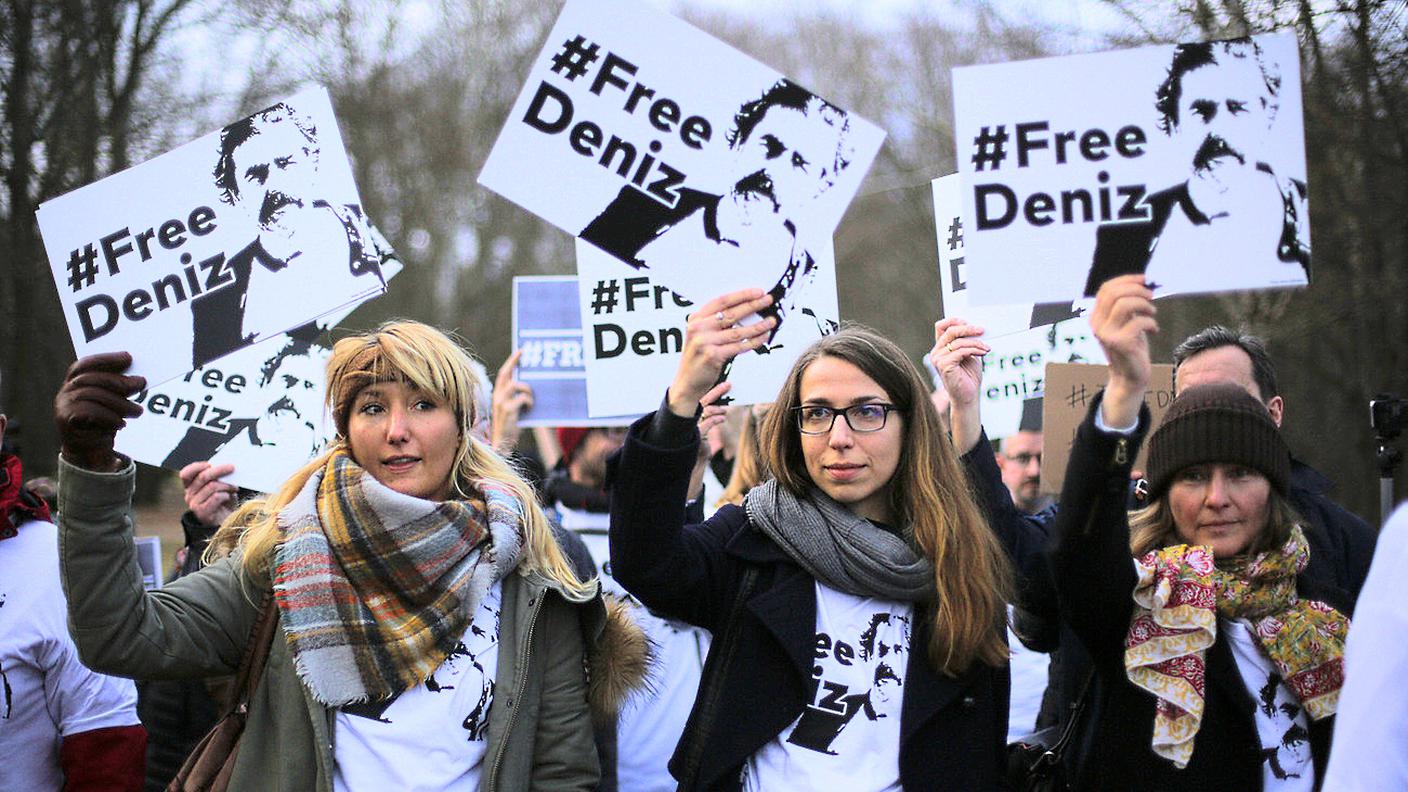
<point x="1387" y="415"/>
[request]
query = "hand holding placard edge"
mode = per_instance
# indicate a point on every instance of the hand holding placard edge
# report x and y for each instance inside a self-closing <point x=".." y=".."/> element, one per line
<point x="92" y="405"/>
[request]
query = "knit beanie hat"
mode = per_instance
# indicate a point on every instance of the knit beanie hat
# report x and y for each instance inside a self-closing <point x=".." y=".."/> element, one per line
<point x="568" y="438"/>
<point x="1219" y="422"/>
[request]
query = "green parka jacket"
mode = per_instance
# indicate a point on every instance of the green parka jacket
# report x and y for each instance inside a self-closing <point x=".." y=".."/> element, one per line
<point x="540" y="727"/>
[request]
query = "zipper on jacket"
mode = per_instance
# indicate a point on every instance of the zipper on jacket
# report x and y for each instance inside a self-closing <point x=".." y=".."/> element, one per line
<point x="518" y="685"/>
<point x="1122" y="451"/>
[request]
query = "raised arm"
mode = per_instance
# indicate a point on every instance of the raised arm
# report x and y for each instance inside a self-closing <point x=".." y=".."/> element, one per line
<point x="681" y="571"/>
<point x="1091" y="562"/>
<point x="957" y="356"/>
<point x="195" y="627"/>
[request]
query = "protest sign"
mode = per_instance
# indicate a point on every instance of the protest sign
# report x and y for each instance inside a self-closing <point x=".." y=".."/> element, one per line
<point x="547" y="326"/>
<point x="1188" y="165"/>
<point x="633" y="331"/>
<point x="230" y="239"/>
<point x="1070" y="388"/>
<point x="260" y="408"/>
<point x="1024" y="337"/>
<point x="691" y="163"/>
<point x="149" y="560"/>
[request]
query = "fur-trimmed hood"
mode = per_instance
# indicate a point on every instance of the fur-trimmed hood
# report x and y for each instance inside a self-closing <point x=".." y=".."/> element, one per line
<point x="619" y="659"/>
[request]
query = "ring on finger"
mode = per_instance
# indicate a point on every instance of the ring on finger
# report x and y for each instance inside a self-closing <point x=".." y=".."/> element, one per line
<point x="720" y="317"/>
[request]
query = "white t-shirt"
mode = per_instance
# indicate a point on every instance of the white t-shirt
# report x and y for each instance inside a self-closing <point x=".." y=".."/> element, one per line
<point x="1030" y="673"/>
<point x="651" y="722"/>
<point x="1281" y="722"/>
<point x="45" y="692"/>
<point x="848" y="737"/>
<point x="432" y="737"/>
<point x="1371" y="722"/>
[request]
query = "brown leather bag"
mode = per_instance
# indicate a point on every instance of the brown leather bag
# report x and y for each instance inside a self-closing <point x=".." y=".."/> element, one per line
<point x="211" y="762"/>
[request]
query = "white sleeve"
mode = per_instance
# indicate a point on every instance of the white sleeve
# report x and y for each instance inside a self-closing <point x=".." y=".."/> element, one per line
<point x="1368" y="751"/>
<point x="78" y="698"/>
<point x="1107" y="429"/>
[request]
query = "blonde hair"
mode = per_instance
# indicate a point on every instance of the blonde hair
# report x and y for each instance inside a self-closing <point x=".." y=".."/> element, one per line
<point x="1152" y="527"/>
<point x="748" y="469"/>
<point x="929" y="494"/>
<point x="429" y="360"/>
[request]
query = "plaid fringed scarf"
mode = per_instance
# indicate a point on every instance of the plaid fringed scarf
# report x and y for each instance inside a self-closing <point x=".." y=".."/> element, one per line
<point x="1180" y="594"/>
<point x="376" y="587"/>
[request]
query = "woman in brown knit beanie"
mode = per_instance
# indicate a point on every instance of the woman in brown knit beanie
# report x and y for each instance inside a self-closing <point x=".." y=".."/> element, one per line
<point x="1216" y="666"/>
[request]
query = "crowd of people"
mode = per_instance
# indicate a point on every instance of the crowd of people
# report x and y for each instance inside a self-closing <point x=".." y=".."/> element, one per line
<point x="456" y="612"/>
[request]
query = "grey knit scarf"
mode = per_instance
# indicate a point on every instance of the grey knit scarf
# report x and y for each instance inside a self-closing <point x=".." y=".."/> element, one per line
<point x="843" y="551"/>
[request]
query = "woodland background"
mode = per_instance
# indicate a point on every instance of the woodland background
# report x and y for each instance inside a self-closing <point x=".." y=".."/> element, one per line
<point x="421" y="88"/>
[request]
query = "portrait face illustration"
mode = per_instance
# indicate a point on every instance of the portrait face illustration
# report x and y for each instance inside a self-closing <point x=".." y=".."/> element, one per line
<point x="295" y="418"/>
<point x="1224" y="117"/>
<point x="272" y="171"/>
<point x="791" y="155"/>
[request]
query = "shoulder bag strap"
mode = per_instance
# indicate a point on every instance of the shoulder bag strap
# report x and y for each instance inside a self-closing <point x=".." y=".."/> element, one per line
<point x="1048" y="764"/>
<point x="256" y="652"/>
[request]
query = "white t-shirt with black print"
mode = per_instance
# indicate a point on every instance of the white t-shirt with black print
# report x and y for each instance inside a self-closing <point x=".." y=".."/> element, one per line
<point x="651" y="721"/>
<point x="848" y="737"/>
<point x="1281" y="722"/>
<point x="432" y="737"/>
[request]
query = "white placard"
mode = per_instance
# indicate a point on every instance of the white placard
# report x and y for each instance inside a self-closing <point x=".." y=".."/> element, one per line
<point x="260" y="408"/>
<point x="633" y="332"/>
<point x="1023" y="337"/>
<point x="692" y="163"/>
<point x="229" y="239"/>
<point x="1184" y="163"/>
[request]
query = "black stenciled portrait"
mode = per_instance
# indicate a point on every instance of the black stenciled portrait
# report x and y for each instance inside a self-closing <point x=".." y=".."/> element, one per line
<point x="788" y="147"/>
<point x="293" y="375"/>
<point x="267" y="171"/>
<point x="1217" y="105"/>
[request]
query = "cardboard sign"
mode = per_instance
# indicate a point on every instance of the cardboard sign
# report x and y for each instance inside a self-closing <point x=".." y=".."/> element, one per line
<point x="260" y="409"/>
<point x="1023" y="337"/>
<point x="689" y="162"/>
<point x="1070" y="388"/>
<point x="1187" y="165"/>
<point x="228" y="240"/>
<point x="547" y="326"/>
<point x="633" y="333"/>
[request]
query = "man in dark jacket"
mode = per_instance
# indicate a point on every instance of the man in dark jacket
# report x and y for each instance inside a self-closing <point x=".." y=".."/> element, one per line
<point x="1343" y="540"/>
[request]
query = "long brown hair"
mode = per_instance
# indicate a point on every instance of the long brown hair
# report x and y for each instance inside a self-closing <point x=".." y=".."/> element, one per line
<point x="433" y="363"/>
<point x="929" y="494"/>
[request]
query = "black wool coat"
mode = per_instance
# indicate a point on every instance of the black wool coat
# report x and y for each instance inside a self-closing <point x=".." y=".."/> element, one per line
<point x="953" y="729"/>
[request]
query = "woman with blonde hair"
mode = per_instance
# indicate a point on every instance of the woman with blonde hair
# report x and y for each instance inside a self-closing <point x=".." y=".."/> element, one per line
<point x="856" y="598"/>
<point x="433" y="637"/>
<point x="1218" y="662"/>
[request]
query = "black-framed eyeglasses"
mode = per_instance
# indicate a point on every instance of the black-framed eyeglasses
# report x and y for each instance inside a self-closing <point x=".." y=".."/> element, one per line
<point x="816" y="419"/>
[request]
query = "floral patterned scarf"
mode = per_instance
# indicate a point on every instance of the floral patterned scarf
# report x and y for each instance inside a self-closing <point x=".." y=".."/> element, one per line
<point x="1178" y="598"/>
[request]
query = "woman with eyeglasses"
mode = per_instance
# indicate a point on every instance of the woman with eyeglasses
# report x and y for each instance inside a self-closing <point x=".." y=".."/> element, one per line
<point x="856" y="598"/>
